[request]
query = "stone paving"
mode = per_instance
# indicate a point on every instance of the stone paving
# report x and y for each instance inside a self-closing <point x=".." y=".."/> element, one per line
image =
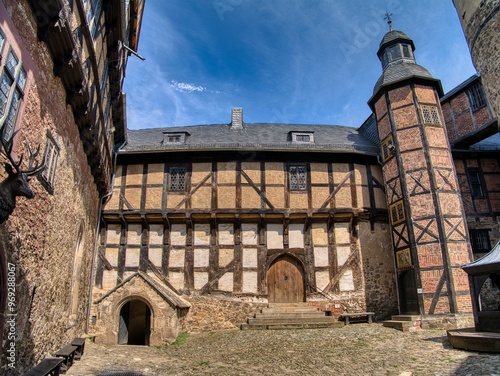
<point x="357" y="349"/>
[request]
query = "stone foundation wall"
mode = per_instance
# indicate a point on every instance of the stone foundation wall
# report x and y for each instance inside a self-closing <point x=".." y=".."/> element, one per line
<point x="217" y="313"/>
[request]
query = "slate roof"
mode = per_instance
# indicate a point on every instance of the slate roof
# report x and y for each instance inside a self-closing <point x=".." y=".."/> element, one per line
<point x="266" y="137"/>
<point x="489" y="263"/>
<point x="399" y="71"/>
<point x="167" y="294"/>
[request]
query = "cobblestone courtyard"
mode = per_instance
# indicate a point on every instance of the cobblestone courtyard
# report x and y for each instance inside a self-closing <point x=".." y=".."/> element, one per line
<point x="359" y="349"/>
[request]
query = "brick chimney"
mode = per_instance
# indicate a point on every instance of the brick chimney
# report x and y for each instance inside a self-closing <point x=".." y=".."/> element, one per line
<point x="236" y="118"/>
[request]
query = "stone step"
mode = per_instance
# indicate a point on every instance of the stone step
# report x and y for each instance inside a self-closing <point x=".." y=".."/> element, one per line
<point x="406" y="317"/>
<point x="289" y="309"/>
<point x="290" y="314"/>
<point x="289" y="319"/>
<point x="403" y="325"/>
<point x="292" y="325"/>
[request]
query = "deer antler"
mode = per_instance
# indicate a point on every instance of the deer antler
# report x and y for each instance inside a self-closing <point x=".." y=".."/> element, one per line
<point x="32" y="158"/>
<point x="7" y="147"/>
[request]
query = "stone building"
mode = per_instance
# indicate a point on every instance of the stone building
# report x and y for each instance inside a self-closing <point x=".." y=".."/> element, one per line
<point x="207" y="223"/>
<point x="480" y="21"/>
<point x="62" y="66"/>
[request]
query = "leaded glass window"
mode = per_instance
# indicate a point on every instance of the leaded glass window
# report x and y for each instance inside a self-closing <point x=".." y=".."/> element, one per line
<point x="476" y="184"/>
<point x="430" y="115"/>
<point x="476" y="97"/>
<point x="298" y="178"/>
<point x="177" y="178"/>
<point x="480" y="241"/>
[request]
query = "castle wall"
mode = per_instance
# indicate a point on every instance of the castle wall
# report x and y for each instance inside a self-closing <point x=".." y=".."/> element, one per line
<point x="480" y="23"/>
<point x="48" y="239"/>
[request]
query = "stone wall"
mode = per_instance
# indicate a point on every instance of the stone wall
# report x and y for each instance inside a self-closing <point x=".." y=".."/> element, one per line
<point x="43" y="235"/>
<point x="481" y="24"/>
<point x="209" y="313"/>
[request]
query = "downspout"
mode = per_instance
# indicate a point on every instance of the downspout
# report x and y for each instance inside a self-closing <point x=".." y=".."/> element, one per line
<point x="102" y="202"/>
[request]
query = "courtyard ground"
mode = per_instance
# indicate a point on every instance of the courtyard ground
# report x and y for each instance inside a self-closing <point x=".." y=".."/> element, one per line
<point x="357" y="349"/>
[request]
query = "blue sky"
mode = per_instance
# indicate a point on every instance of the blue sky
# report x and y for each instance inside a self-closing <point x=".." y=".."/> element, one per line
<point x="282" y="61"/>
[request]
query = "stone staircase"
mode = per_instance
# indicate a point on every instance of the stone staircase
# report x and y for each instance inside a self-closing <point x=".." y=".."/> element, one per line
<point x="405" y="323"/>
<point x="290" y="316"/>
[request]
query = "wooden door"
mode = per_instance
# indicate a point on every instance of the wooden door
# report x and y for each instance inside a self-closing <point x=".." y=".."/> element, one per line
<point x="285" y="281"/>
<point x="408" y="298"/>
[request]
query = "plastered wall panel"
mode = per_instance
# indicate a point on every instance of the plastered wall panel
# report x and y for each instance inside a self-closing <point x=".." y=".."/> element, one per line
<point x="249" y="233"/>
<point x="226" y="233"/>
<point x="321" y="256"/>
<point x="178" y="234"/>
<point x="156" y="234"/>
<point x="274" y="235"/>
<point x="296" y="235"/>
<point x="201" y="257"/>
<point x="202" y="234"/>
<point x="176" y="259"/>
<point x="250" y="258"/>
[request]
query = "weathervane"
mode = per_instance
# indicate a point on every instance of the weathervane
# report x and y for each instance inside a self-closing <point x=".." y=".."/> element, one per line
<point x="389" y="19"/>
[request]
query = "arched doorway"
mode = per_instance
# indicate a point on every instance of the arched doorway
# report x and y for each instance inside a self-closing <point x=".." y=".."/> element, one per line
<point x="135" y="323"/>
<point x="408" y="298"/>
<point x="285" y="280"/>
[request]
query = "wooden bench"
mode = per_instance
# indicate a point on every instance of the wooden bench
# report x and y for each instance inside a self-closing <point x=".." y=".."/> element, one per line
<point x="80" y="344"/>
<point x="68" y="353"/>
<point x="358" y="316"/>
<point x="47" y="367"/>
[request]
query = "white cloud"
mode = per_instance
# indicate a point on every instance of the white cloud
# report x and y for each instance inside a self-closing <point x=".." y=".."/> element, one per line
<point x="184" y="87"/>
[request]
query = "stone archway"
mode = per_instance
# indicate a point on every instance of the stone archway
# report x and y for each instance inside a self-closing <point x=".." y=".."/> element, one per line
<point x="285" y="280"/>
<point x="134" y="326"/>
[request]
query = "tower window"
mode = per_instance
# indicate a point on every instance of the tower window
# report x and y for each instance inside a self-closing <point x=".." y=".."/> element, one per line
<point x="388" y="149"/>
<point x="476" y="97"/>
<point x="480" y="241"/>
<point x="430" y="115"/>
<point x="397" y="212"/>
<point x="297" y="175"/>
<point x="406" y="51"/>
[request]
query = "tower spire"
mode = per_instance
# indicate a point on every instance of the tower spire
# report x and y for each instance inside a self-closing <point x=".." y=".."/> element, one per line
<point x="388" y="17"/>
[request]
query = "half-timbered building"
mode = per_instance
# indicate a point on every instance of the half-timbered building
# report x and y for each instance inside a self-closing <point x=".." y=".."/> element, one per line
<point x="208" y="222"/>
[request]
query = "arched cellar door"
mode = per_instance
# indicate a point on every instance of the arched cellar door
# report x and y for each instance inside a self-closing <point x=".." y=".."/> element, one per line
<point x="135" y="324"/>
<point x="285" y="281"/>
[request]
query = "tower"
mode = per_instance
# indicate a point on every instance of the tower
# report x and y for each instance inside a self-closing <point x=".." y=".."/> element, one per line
<point x="480" y="21"/>
<point x="426" y="214"/>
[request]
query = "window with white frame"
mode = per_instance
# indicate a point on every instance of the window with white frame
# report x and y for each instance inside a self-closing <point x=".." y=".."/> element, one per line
<point x="173" y="138"/>
<point x="50" y="161"/>
<point x="303" y="137"/>
<point x="12" y="88"/>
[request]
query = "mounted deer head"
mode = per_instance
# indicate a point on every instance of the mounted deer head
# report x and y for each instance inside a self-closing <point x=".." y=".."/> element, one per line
<point x="17" y="181"/>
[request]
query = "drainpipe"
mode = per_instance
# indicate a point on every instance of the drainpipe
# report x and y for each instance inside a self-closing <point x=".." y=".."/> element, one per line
<point x="102" y="202"/>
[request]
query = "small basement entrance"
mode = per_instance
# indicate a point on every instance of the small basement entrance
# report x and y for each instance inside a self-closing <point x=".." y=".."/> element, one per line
<point x="135" y="324"/>
<point x="285" y="280"/>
